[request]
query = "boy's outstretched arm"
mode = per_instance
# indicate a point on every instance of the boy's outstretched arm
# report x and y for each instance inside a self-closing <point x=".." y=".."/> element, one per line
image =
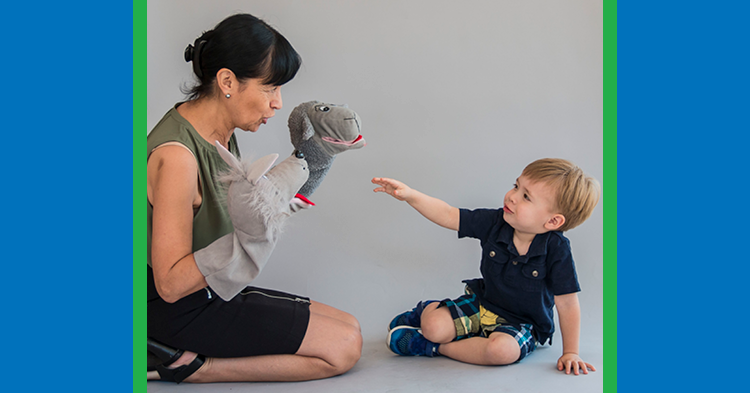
<point x="569" y="311"/>
<point x="433" y="209"/>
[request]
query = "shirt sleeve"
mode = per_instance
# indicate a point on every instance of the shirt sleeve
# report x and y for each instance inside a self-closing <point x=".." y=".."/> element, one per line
<point x="562" y="275"/>
<point x="478" y="223"/>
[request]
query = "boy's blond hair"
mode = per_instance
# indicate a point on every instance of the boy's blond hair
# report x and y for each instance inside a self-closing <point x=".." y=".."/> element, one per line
<point x="576" y="193"/>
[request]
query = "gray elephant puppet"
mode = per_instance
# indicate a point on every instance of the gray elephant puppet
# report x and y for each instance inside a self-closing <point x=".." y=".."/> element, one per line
<point x="261" y="197"/>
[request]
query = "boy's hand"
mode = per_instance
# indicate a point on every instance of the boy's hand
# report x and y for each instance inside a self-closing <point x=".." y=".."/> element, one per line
<point x="392" y="187"/>
<point x="571" y="361"/>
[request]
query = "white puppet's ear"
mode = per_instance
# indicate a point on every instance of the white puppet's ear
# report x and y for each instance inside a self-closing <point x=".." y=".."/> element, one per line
<point x="228" y="157"/>
<point x="260" y="167"/>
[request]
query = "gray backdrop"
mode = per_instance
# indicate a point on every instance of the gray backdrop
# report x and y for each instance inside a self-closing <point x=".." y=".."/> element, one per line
<point x="455" y="99"/>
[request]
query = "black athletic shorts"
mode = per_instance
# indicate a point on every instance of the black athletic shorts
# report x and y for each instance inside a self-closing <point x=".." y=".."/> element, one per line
<point x="255" y="322"/>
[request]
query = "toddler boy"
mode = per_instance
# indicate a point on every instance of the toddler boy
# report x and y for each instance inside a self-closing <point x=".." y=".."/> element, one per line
<point x="527" y="268"/>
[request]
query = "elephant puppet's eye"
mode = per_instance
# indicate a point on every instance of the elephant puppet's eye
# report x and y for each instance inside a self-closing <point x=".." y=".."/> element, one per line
<point x="323" y="108"/>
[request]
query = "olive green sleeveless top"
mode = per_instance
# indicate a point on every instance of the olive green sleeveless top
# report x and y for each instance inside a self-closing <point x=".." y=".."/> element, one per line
<point x="211" y="220"/>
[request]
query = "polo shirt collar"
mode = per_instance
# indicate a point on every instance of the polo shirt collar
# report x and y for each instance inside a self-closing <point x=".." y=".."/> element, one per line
<point x="538" y="245"/>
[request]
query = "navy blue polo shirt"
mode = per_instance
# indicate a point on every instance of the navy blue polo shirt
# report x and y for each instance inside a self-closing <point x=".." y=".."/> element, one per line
<point x="519" y="288"/>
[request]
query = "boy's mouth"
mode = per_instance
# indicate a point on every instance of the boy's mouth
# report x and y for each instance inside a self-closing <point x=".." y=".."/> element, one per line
<point x="507" y="210"/>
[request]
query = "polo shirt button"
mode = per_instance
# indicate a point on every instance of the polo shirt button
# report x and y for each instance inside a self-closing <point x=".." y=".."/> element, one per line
<point x="492" y="253"/>
<point x="515" y="262"/>
<point x="535" y="273"/>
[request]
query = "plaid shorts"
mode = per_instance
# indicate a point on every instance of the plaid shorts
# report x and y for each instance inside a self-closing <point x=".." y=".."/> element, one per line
<point x="472" y="319"/>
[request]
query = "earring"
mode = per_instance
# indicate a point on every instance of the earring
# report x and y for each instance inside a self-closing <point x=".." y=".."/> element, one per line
<point x="227" y="96"/>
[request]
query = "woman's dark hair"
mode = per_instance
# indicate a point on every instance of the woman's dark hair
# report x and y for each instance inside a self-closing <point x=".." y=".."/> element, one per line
<point x="246" y="45"/>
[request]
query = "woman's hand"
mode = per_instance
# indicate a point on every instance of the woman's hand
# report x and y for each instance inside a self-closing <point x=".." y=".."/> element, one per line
<point x="392" y="187"/>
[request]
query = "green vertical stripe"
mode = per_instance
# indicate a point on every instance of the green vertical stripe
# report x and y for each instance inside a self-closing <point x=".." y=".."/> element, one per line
<point x="139" y="191"/>
<point x="609" y="186"/>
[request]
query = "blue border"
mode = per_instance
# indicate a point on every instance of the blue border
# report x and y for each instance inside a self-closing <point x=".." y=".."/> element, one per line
<point x="682" y="143"/>
<point x="66" y="195"/>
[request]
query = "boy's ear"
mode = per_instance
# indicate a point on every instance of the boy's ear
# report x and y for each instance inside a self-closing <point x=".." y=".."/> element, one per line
<point x="555" y="222"/>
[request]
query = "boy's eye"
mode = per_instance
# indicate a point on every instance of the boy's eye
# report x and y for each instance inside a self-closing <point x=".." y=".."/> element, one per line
<point x="515" y="185"/>
<point x="526" y="197"/>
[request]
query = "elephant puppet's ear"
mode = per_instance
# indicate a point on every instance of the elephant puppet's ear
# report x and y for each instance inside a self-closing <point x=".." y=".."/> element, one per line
<point x="260" y="167"/>
<point x="309" y="130"/>
<point x="228" y="157"/>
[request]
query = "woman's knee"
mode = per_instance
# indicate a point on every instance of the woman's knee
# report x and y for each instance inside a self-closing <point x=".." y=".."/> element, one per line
<point x="336" y="342"/>
<point x="349" y="350"/>
<point x="352" y="320"/>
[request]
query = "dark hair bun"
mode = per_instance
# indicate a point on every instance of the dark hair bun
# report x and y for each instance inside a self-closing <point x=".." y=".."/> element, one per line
<point x="189" y="53"/>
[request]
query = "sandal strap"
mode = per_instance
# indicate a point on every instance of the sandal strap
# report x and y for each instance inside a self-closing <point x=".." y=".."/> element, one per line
<point x="165" y="353"/>
<point x="180" y="373"/>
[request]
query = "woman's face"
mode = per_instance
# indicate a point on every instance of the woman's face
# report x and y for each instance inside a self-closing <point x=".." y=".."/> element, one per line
<point x="254" y="104"/>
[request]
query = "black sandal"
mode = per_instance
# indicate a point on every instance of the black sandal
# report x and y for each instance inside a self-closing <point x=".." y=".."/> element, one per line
<point x="161" y="356"/>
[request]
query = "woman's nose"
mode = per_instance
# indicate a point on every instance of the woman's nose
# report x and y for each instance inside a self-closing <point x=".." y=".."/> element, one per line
<point x="276" y="102"/>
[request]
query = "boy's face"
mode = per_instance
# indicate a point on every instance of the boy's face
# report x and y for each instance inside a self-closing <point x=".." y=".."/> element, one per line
<point x="529" y="207"/>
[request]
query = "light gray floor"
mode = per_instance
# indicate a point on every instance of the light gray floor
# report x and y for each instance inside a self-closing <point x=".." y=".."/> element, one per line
<point x="379" y="370"/>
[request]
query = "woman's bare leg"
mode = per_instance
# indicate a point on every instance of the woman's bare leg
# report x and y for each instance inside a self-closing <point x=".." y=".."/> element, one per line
<point x="332" y="345"/>
<point x="326" y="310"/>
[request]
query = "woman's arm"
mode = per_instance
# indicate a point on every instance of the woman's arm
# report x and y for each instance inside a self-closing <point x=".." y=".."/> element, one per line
<point x="435" y="210"/>
<point x="172" y="177"/>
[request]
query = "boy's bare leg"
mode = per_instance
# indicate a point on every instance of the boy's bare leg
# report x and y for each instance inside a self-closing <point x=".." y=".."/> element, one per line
<point x="497" y="349"/>
<point x="437" y="324"/>
<point x="332" y="345"/>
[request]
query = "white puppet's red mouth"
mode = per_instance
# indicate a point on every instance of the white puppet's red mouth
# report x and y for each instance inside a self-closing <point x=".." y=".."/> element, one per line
<point x="304" y="199"/>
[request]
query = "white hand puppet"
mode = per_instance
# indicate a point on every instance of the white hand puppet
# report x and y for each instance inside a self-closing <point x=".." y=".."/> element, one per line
<point x="260" y="198"/>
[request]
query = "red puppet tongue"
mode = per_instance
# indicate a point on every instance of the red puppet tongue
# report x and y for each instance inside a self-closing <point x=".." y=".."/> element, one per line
<point x="340" y="142"/>
<point x="302" y="197"/>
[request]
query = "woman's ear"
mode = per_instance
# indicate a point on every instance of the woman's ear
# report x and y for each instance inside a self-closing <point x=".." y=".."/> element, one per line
<point x="227" y="81"/>
<point x="555" y="222"/>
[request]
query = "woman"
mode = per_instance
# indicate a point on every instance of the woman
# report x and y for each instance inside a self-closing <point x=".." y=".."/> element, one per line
<point x="259" y="335"/>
